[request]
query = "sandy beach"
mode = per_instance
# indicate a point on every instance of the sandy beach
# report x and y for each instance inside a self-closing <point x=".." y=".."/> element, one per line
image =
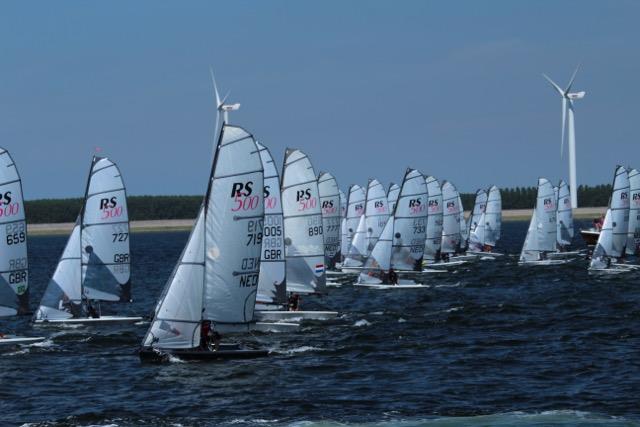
<point x="185" y="224"/>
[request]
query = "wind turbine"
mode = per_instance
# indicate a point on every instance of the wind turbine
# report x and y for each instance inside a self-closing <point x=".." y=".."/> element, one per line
<point x="568" y="98"/>
<point x="220" y="104"/>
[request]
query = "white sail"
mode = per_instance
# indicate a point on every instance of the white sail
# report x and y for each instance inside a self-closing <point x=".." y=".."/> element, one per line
<point x="376" y="212"/>
<point x="410" y="223"/>
<point x="331" y="218"/>
<point x="479" y="206"/>
<point x="62" y="298"/>
<point x="493" y="216"/>
<point x="177" y="317"/>
<point x="564" y="233"/>
<point x="541" y="235"/>
<point x="434" y="219"/>
<point x="14" y="289"/>
<point x="464" y="230"/>
<point x="344" y="241"/>
<point x="272" y="287"/>
<point x="104" y="235"/>
<point x="379" y="261"/>
<point x="358" y="247"/>
<point x="355" y="209"/>
<point x="633" y="236"/>
<point x="601" y="256"/>
<point x="450" y="218"/>
<point x="392" y="196"/>
<point x="234" y="213"/>
<point x="619" y="206"/>
<point x="304" y="240"/>
<point x="477" y="238"/>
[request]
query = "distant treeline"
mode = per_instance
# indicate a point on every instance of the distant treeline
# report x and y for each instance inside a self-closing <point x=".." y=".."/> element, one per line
<point x="186" y="207"/>
<point x="525" y="197"/>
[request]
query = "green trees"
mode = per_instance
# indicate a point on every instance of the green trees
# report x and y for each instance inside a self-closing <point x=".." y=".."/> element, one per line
<point x="186" y="207"/>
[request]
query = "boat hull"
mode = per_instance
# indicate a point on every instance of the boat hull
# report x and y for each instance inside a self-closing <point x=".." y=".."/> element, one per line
<point x="384" y="287"/>
<point x="544" y="262"/>
<point x="9" y="340"/>
<point x="102" y="320"/>
<point x="273" y="315"/>
<point x="148" y="354"/>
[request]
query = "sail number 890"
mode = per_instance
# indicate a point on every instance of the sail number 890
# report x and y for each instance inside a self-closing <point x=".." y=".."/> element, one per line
<point x="315" y="231"/>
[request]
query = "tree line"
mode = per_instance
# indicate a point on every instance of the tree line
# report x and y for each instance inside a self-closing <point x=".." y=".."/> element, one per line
<point x="186" y="207"/>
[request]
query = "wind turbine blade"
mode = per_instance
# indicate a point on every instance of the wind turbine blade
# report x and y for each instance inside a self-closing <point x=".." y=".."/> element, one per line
<point x="572" y="79"/>
<point x="564" y="124"/>
<point x="215" y="88"/>
<point x="225" y="98"/>
<point x="556" y="87"/>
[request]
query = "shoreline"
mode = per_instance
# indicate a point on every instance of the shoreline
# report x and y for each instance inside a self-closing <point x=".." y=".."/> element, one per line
<point x="164" y="225"/>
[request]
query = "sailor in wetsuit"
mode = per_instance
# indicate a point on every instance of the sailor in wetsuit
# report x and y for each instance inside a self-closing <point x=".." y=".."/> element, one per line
<point x="393" y="277"/>
<point x="91" y="311"/>
<point x="209" y="337"/>
<point x="294" y="302"/>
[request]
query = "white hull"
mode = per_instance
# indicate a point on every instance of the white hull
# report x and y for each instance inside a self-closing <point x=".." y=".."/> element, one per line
<point x="102" y="320"/>
<point x="434" y="270"/>
<point x="351" y="270"/>
<point x="15" y="340"/>
<point x="466" y="257"/>
<point x="560" y="255"/>
<point x="445" y="264"/>
<point x="608" y="271"/>
<point x="485" y="254"/>
<point x="544" y="262"/>
<point x="382" y="286"/>
<point x="294" y="316"/>
<point x="333" y="284"/>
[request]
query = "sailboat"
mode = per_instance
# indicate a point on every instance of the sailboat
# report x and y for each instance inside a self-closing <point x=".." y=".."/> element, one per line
<point x="344" y="242"/>
<point x="633" y="235"/>
<point x="355" y="209"/>
<point x="541" y="234"/>
<point x="464" y="231"/>
<point x="611" y="246"/>
<point x="271" y="300"/>
<point x="357" y="253"/>
<point x="491" y="222"/>
<point x="434" y="221"/>
<point x="450" y="221"/>
<point x="215" y="280"/>
<point x="331" y="218"/>
<point x="95" y="264"/>
<point x="304" y="236"/>
<point x="479" y="206"/>
<point x="564" y="225"/>
<point x="376" y="212"/>
<point x="401" y="243"/>
<point x="14" y="286"/>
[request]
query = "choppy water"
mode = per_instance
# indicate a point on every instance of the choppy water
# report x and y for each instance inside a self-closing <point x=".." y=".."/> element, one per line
<point x="489" y="345"/>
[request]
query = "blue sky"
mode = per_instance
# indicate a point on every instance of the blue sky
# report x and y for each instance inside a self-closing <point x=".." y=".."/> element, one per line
<point x="366" y="88"/>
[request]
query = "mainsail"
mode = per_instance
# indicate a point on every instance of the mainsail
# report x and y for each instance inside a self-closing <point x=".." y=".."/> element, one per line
<point x="464" y="230"/>
<point x="331" y="218"/>
<point x="410" y="223"/>
<point x="272" y="287"/>
<point x="619" y="206"/>
<point x="104" y="235"/>
<point x="450" y="218"/>
<point x="304" y="241"/>
<point x="392" y="196"/>
<point x="217" y="274"/>
<point x="601" y="256"/>
<point x="479" y="207"/>
<point x="633" y="236"/>
<point x="344" y="241"/>
<point x="14" y="289"/>
<point x="358" y="248"/>
<point x="493" y="217"/>
<point x="478" y="237"/>
<point x="376" y="212"/>
<point x="434" y="220"/>
<point x="541" y="235"/>
<point x="379" y="261"/>
<point x="355" y="209"/>
<point x="95" y="263"/>
<point x="564" y="234"/>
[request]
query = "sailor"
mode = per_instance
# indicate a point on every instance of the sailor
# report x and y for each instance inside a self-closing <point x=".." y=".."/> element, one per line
<point x="294" y="302"/>
<point x="91" y="311"/>
<point x="393" y="277"/>
<point x="205" y="334"/>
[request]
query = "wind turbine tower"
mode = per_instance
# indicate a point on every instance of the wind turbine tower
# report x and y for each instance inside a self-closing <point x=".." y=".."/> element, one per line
<point x="568" y="98"/>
